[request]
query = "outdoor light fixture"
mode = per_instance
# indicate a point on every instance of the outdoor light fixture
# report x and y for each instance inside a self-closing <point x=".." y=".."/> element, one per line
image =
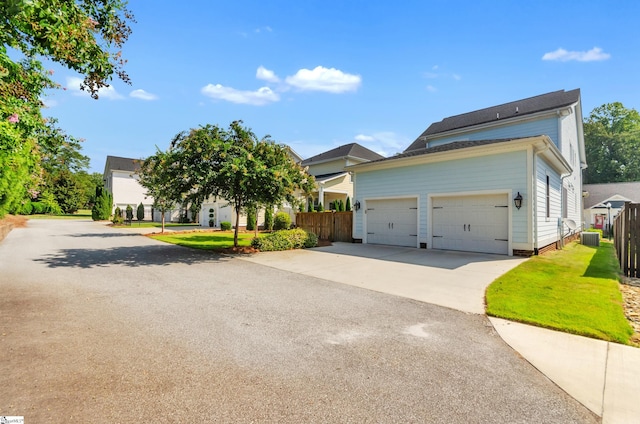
<point x="609" y="224"/>
<point x="356" y="205"/>
<point x="518" y="201"/>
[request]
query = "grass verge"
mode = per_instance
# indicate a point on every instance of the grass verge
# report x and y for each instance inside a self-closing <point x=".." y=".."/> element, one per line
<point x="218" y="240"/>
<point x="153" y="224"/>
<point x="574" y="290"/>
<point x="80" y="214"/>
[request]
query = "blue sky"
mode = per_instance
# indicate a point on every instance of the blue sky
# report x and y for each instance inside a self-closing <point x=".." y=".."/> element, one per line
<point x="319" y="74"/>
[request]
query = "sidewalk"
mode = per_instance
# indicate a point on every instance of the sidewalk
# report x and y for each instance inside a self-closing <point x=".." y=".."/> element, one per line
<point x="603" y="376"/>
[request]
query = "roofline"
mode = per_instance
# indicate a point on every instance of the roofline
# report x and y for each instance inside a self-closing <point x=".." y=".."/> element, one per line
<point x="541" y="143"/>
<point x="485" y="125"/>
<point x="334" y="158"/>
<point x="342" y="174"/>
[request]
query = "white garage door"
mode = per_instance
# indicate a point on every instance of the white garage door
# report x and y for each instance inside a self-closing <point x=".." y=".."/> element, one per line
<point x="392" y="221"/>
<point x="471" y="223"/>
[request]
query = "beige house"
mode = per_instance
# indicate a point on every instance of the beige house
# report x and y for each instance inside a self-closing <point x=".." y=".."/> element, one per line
<point x="328" y="168"/>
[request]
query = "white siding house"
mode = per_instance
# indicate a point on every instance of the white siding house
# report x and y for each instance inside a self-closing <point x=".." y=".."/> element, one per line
<point x="455" y="186"/>
<point x="121" y="180"/>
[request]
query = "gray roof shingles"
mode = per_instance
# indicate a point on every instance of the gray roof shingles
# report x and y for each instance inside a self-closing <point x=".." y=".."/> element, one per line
<point x="352" y="149"/>
<point x="122" y="164"/>
<point x="543" y="102"/>
<point x="598" y="193"/>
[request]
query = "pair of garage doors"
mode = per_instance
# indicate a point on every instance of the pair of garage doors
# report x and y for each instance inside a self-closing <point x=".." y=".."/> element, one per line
<point x="467" y="223"/>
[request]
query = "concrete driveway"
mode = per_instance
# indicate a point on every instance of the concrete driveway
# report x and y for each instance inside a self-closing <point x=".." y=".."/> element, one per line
<point x="101" y="325"/>
<point x="456" y="280"/>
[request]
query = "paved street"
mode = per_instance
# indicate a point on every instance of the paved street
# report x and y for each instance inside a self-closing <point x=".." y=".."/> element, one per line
<point x="101" y="325"/>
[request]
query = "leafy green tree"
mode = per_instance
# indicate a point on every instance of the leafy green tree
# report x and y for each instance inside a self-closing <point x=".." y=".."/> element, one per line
<point x="159" y="175"/>
<point x="67" y="192"/>
<point x="83" y="35"/>
<point x="612" y="142"/>
<point x="251" y="218"/>
<point x="235" y="165"/>
<point x="268" y="218"/>
<point x="101" y="209"/>
<point x="140" y="212"/>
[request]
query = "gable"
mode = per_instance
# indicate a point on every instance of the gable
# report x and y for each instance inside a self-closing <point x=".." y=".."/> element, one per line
<point x="352" y="150"/>
<point x="611" y="192"/>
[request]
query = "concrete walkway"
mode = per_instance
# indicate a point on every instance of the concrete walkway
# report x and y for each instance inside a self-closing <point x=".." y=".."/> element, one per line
<point x="602" y="376"/>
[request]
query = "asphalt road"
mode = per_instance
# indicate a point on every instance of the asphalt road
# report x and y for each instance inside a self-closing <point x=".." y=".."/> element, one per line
<point x="101" y="326"/>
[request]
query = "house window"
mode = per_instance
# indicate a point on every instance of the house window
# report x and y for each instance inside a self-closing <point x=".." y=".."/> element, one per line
<point x="548" y="200"/>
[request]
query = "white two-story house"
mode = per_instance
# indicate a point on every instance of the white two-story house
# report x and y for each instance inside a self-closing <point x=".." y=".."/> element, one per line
<point x="506" y="179"/>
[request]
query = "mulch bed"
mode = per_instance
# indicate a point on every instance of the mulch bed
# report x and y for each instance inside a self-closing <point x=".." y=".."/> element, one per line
<point x="630" y="289"/>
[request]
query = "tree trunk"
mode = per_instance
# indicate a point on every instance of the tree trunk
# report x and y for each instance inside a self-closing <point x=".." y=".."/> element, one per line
<point x="235" y="233"/>
<point x="162" y="221"/>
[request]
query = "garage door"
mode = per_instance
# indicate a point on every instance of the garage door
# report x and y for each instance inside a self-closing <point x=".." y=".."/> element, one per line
<point x="471" y="223"/>
<point x="392" y="221"/>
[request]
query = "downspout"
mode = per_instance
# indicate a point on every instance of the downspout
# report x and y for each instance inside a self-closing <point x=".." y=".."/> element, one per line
<point x="562" y="177"/>
<point x="535" y="197"/>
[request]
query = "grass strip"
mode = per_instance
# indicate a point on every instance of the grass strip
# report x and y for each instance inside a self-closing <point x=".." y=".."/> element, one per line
<point x="574" y="290"/>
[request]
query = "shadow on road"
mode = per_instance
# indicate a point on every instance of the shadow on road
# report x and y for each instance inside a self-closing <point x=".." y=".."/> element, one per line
<point x="129" y="256"/>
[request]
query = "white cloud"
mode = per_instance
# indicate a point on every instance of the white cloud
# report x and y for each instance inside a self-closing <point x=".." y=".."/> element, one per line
<point x="364" y="138"/>
<point x="142" y="95"/>
<point x="49" y="102"/>
<point x="562" y="55"/>
<point x="264" y="28"/>
<point x="266" y="75"/>
<point x="324" y="79"/>
<point x="456" y="77"/>
<point x="431" y="89"/>
<point x="260" y="97"/>
<point x="73" y="85"/>
<point x="386" y="143"/>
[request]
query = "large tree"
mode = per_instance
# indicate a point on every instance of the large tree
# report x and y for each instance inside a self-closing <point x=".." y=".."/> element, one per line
<point x="612" y="143"/>
<point x="158" y="175"/>
<point x="83" y="35"/>
<point x="233" y="164"/>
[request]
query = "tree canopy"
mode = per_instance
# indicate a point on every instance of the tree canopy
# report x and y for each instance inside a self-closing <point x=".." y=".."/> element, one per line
<point x="83" y="35"/>
<point x="231" y="163"/>
<point x="612" y="143"/>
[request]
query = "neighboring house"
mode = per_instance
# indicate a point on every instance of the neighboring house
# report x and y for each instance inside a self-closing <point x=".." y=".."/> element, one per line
<point x="505" y="179"/>
<point x="332" y="181"/>
<point x="122" y="181"/>
<point x="602" y="202"/>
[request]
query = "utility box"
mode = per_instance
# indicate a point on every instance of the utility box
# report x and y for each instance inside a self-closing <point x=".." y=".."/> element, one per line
<point x="590" y="239"/>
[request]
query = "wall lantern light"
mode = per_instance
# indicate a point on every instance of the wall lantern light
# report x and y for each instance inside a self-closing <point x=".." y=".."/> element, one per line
<point x="356" y="205"/>
<point x="518" y="200"/>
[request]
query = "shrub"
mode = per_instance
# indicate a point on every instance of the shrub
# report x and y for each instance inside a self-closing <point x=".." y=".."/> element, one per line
<point x="140" y="212"/>
<point x="129" y="213"/>
<point x="285" y="240"/>
<point x="225" y="225"/>
<point x="347" y="207"/>
<point x="282" y="221"/>
<point x="117" y="216"/>
<point x="27" y="209"/>
<point x="102" y="208"/>
<point x="38" y="207"/>
<point x="310" y="206"/>
<point x="251" y="219"/>
<point x="268" y="218"/>
<point x="320" y="207"/>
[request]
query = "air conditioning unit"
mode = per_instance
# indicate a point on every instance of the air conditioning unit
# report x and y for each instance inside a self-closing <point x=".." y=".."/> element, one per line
<point x="590" y="239"/>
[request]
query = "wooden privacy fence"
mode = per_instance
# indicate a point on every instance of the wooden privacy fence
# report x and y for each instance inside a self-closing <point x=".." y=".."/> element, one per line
<point x="332" y="226"/>
<point x="626" y="236"/>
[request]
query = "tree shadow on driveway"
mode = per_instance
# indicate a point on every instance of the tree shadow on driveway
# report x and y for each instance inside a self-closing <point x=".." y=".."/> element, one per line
<point x="136" y="256"/>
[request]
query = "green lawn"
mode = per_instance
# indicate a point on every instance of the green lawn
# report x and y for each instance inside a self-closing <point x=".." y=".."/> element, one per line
<point x="81" y="214"/>
<point x="206" y="240"/>
<point x="573" y="290"/>
<point x="150" y="224"/>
